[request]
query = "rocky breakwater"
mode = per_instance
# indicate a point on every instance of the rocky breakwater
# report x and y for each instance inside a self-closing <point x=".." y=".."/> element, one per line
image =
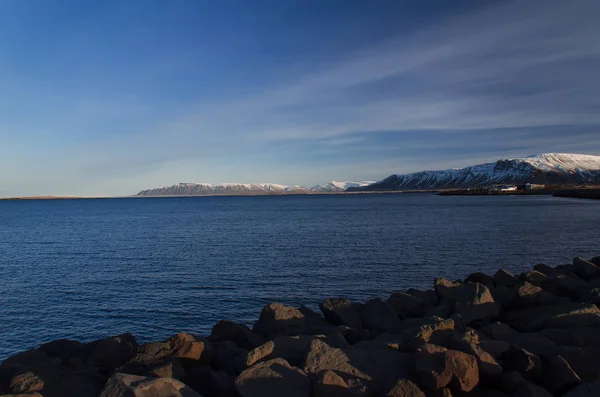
<point x="533" y="334"/>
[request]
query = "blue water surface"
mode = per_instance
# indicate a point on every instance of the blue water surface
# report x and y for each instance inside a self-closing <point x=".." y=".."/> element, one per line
<point x="87" y="269"/>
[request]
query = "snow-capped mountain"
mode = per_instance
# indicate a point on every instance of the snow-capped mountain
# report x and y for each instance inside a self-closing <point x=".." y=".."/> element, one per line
<point x="220" y="189"/>
<point x="247" y="189"/>
<point x="336" y="186"/>
<point x="548" y="168"/>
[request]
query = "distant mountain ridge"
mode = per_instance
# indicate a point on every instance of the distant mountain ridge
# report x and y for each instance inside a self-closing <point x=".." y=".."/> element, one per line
<point x="247" y="189"/>
<point x="546" y="168"/>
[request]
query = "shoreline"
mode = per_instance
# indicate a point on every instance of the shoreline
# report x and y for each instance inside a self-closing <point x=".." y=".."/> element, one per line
<point x="529" y="334"/>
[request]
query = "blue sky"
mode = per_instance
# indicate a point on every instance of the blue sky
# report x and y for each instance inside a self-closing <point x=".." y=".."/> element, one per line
<point x="112" y="97"/>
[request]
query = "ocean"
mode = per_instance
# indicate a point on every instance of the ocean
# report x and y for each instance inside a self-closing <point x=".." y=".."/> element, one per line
<point x="87" y="269"/>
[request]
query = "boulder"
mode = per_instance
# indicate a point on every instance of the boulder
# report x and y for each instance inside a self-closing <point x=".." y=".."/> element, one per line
<point x="189" y="349"/>
<point x="406" y="305"/>
<point x="429" y="297"/>
<point x="125" y="385"/>
<point x="584" y="361"/>
<point x="464" y="369"/>
<point x="529" y="389"/>
<point x="291" y="348"/>
<point x="535" y="343"/>
<point x="27" y="382"/>
<point x="510" y="382"/>
<point x="499" y="331"/>
<point x="377" y="317"/>
<point x="595" y="260"/>
<point x="525" y="363"/>
<point x="495" y="347"/>
<point x="240" y="334"/>
<point x="163" y="367"/>
<point x="430" y="367"/>
<point x="418" y="335"/>
<point x="584" y="269"/>
<point x="228" y="357"/>
<point x="339" y="311"/>
<point x="525" y="294"/>
<point x="275" y="377"/>
<point x="363" y="370"/>
<point x="276" y="319"/>
<point x="576" y="337"/>
<point x="328" y="384"/>
<point x="315" y="323"/>
<point x="448" y="290"/>
<point x="481" y="278"/>
<point x="563" y="315"/>
<point x="405" y="388"/>
<point x="504" y="278"/>
<point x="34" y="371"/>
<point x="437" y="367"/>
<point x="558" y="376"/>
<point x="585" y="390"/>
<point x="67" y="350"/>
<point x="111" y="353"/>
<point x="209" y="382"/>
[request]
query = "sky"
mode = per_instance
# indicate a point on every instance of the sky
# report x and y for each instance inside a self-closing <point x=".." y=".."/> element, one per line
<point x="112" y="97"/>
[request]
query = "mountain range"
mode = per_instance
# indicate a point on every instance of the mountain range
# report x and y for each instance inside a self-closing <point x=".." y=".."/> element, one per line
<point x="248" y="189"/>
<point x="547" y="168"/>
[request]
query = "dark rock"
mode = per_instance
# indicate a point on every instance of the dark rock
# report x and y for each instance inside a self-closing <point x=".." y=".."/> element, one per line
<point x="529" y="389"/>
<point x="430" y="367"/>
<point x="584" y="361"/>
<point x="189" y="349"/>
<point x="558" y="376"/>
<point x="437" y="367"/>
<point x="464" y="369"/>
<point x="595" y="260"/>
<point x="416" y="336"/>
<point x="576" y="337"/>
<point x="495" y="347"/>
<point x="163" y="367"/>
<point x="67" y="350"/>
<point x="584" y="269"/>
<point x="209" y="382"/>
<point x="429" y="297"/>
<point x="499" y="331"/>
<point x="339" y="311"/>
<point x="563" y="315"/>
<point x="405" y="388"/>
<point x="111" y="353"/>
<point x="525" y="294"/>
<point x="377" y="316"/>
<point x="407" y="305"/>
<point x="328" y="384"/>
<point x="510" y="382"/>
<point x="504" y="278"/>
<point x="238" y="333"/>
<point x="525" y="363"/>
<point x="448" y="290"/>
<point x="535" y="343"/>
<point x="275" y="377"/>
<point x="27" y="382"/>
<point x="481" y="278"/>
<point x="277" y="318"/>
<point x="293" y="349"/>
<point x="228" y="357"/>
<point x="315" y="323"/>
<point x="361" y="369"/>
<point x="585" y="390"/>
<point x="124" y="385"/>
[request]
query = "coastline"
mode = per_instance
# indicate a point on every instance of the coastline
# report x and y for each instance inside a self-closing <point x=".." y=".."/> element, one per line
<point x="529" y="334"/>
